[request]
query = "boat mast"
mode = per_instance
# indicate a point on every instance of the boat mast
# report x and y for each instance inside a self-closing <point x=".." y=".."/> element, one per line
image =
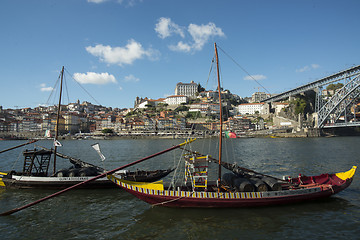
<point x="58" y="118"/>
<point x="221" y="117"/>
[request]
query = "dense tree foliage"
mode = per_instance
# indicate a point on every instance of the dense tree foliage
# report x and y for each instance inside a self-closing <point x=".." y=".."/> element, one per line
<point x="107" y="130"/>
<point x="334" y="86"/>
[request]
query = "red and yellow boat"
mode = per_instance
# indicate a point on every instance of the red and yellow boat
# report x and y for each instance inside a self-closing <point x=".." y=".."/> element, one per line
<point x="244" y="188"/>
<point x="300" y="189"/>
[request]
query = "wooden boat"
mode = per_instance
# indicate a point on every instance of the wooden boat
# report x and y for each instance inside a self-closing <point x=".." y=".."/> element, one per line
<point x="15" y="180"/>
<point x="241" y="188"/>
<point x="298" y="189"/>
<point x="36" y="172"/>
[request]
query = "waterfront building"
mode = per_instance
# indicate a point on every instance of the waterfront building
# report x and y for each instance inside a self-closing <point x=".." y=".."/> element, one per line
<point x="61" y="124"/>
<point x="165" y="123"/>
<point x="138" y="125"/>
<point x="149" y="124"/>
<point x="72" y="123"/>
<point x="4" y="126"/>
<point x="30" y="125"/>
<point x="238" y="124"/>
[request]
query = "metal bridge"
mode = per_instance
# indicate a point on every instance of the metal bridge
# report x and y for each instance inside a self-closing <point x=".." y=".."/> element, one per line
<point x="333" y="112"/>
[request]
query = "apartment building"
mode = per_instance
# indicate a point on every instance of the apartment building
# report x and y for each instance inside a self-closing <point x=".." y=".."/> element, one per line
<point x="252" y="108"/>
<point x="176" y="99"/>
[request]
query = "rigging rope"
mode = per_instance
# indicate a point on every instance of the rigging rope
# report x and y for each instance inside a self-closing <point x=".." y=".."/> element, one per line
<point x="53" y="90"/>
<point x="82" y="87"/>
<point x="17" y="160"/>
<point x="177" y="177"/>
<point x="211" y="67"/>
<point x="243" y="69"/>
<point x="67" y="92"/>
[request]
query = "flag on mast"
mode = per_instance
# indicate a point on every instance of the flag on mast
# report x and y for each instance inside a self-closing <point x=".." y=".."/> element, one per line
<point x="57" y="143"/>
<point x="96" y="146"/>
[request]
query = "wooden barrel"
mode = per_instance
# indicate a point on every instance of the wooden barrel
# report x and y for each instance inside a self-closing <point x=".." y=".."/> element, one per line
<point x="243" y="185"/>
<point x="228" y="179"/>
<point x="260" y="185"/>
<point x="62" y="173"/>
<point x="74" y="172"/>
<point x="274" y="184"/>
<point x="88" y="171"/>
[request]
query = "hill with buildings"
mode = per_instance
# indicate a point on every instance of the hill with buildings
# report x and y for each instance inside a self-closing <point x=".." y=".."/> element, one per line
<point x="191" y="110"/>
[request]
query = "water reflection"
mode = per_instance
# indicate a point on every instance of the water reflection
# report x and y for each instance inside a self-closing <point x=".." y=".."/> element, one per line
<point x="115" y="214"/>
<point x="160" y="223"/>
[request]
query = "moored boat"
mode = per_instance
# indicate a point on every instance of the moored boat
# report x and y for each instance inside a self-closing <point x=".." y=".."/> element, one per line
<point x="298" y="189"/>
<point x="242" y="188"/>
<point x="36" y="171"/>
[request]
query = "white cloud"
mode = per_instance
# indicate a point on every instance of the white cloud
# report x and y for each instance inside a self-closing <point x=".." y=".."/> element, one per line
<point x="94" y="78"/>
<point x="129" y="3"/>
<point x="121" y="55"/>
<point x="308" y="68"/>
<point x="180" y="47"/>
<point x="200" y="34"/>
<point x="96" y="1"/>
<point x="315" y="66"/>
<point x="165" y="28"/>
<point x="131" y="78"/>
<point x="47" y="89"/>
<point x="255" y="77"/>
<point x="44" y="88"/>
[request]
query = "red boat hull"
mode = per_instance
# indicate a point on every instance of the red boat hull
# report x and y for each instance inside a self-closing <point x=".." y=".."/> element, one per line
<point x="311" y="188"/>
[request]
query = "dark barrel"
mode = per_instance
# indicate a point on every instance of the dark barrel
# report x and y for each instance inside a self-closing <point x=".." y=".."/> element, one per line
<point x="274" y="184"/>
<point x="243" y="185"/>
<point x="260" y="185"/>
<point x="88" y="171"/>
<point x="228" y="179"/>
<point x="74" y="172"/>
<point x="62" y="173"/>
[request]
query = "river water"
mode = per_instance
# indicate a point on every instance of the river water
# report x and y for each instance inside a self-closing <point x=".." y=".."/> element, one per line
<point x="115" y="214"/>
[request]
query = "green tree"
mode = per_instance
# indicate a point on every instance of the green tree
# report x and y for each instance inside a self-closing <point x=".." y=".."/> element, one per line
<point x="181" y="108"/>
<point x="334" y="86"/>
<point x="107" y="130"/>
<point x="300" y="105"/>
<point x="193" y="115"/>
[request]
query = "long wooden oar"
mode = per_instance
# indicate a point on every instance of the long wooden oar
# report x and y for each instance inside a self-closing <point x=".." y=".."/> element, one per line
<point x="93" y="179"/>
<point x="18" y="146"/>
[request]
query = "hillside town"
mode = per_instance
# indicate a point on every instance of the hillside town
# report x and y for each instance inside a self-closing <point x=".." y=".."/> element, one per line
<point x="192" y="110"/>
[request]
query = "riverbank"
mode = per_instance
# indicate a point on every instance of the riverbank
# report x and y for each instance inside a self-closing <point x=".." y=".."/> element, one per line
<point x="269" y="133"/>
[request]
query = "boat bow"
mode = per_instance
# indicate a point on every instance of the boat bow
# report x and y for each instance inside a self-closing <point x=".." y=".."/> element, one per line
<point x="348" y="174"/>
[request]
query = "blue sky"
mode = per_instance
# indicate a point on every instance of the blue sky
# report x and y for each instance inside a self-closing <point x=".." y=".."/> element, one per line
<point x="121" y="49"/>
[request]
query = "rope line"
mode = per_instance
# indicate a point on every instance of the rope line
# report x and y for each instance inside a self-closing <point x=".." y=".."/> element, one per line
<point x="243" y="70"/>
<point x="82" y="87"/>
